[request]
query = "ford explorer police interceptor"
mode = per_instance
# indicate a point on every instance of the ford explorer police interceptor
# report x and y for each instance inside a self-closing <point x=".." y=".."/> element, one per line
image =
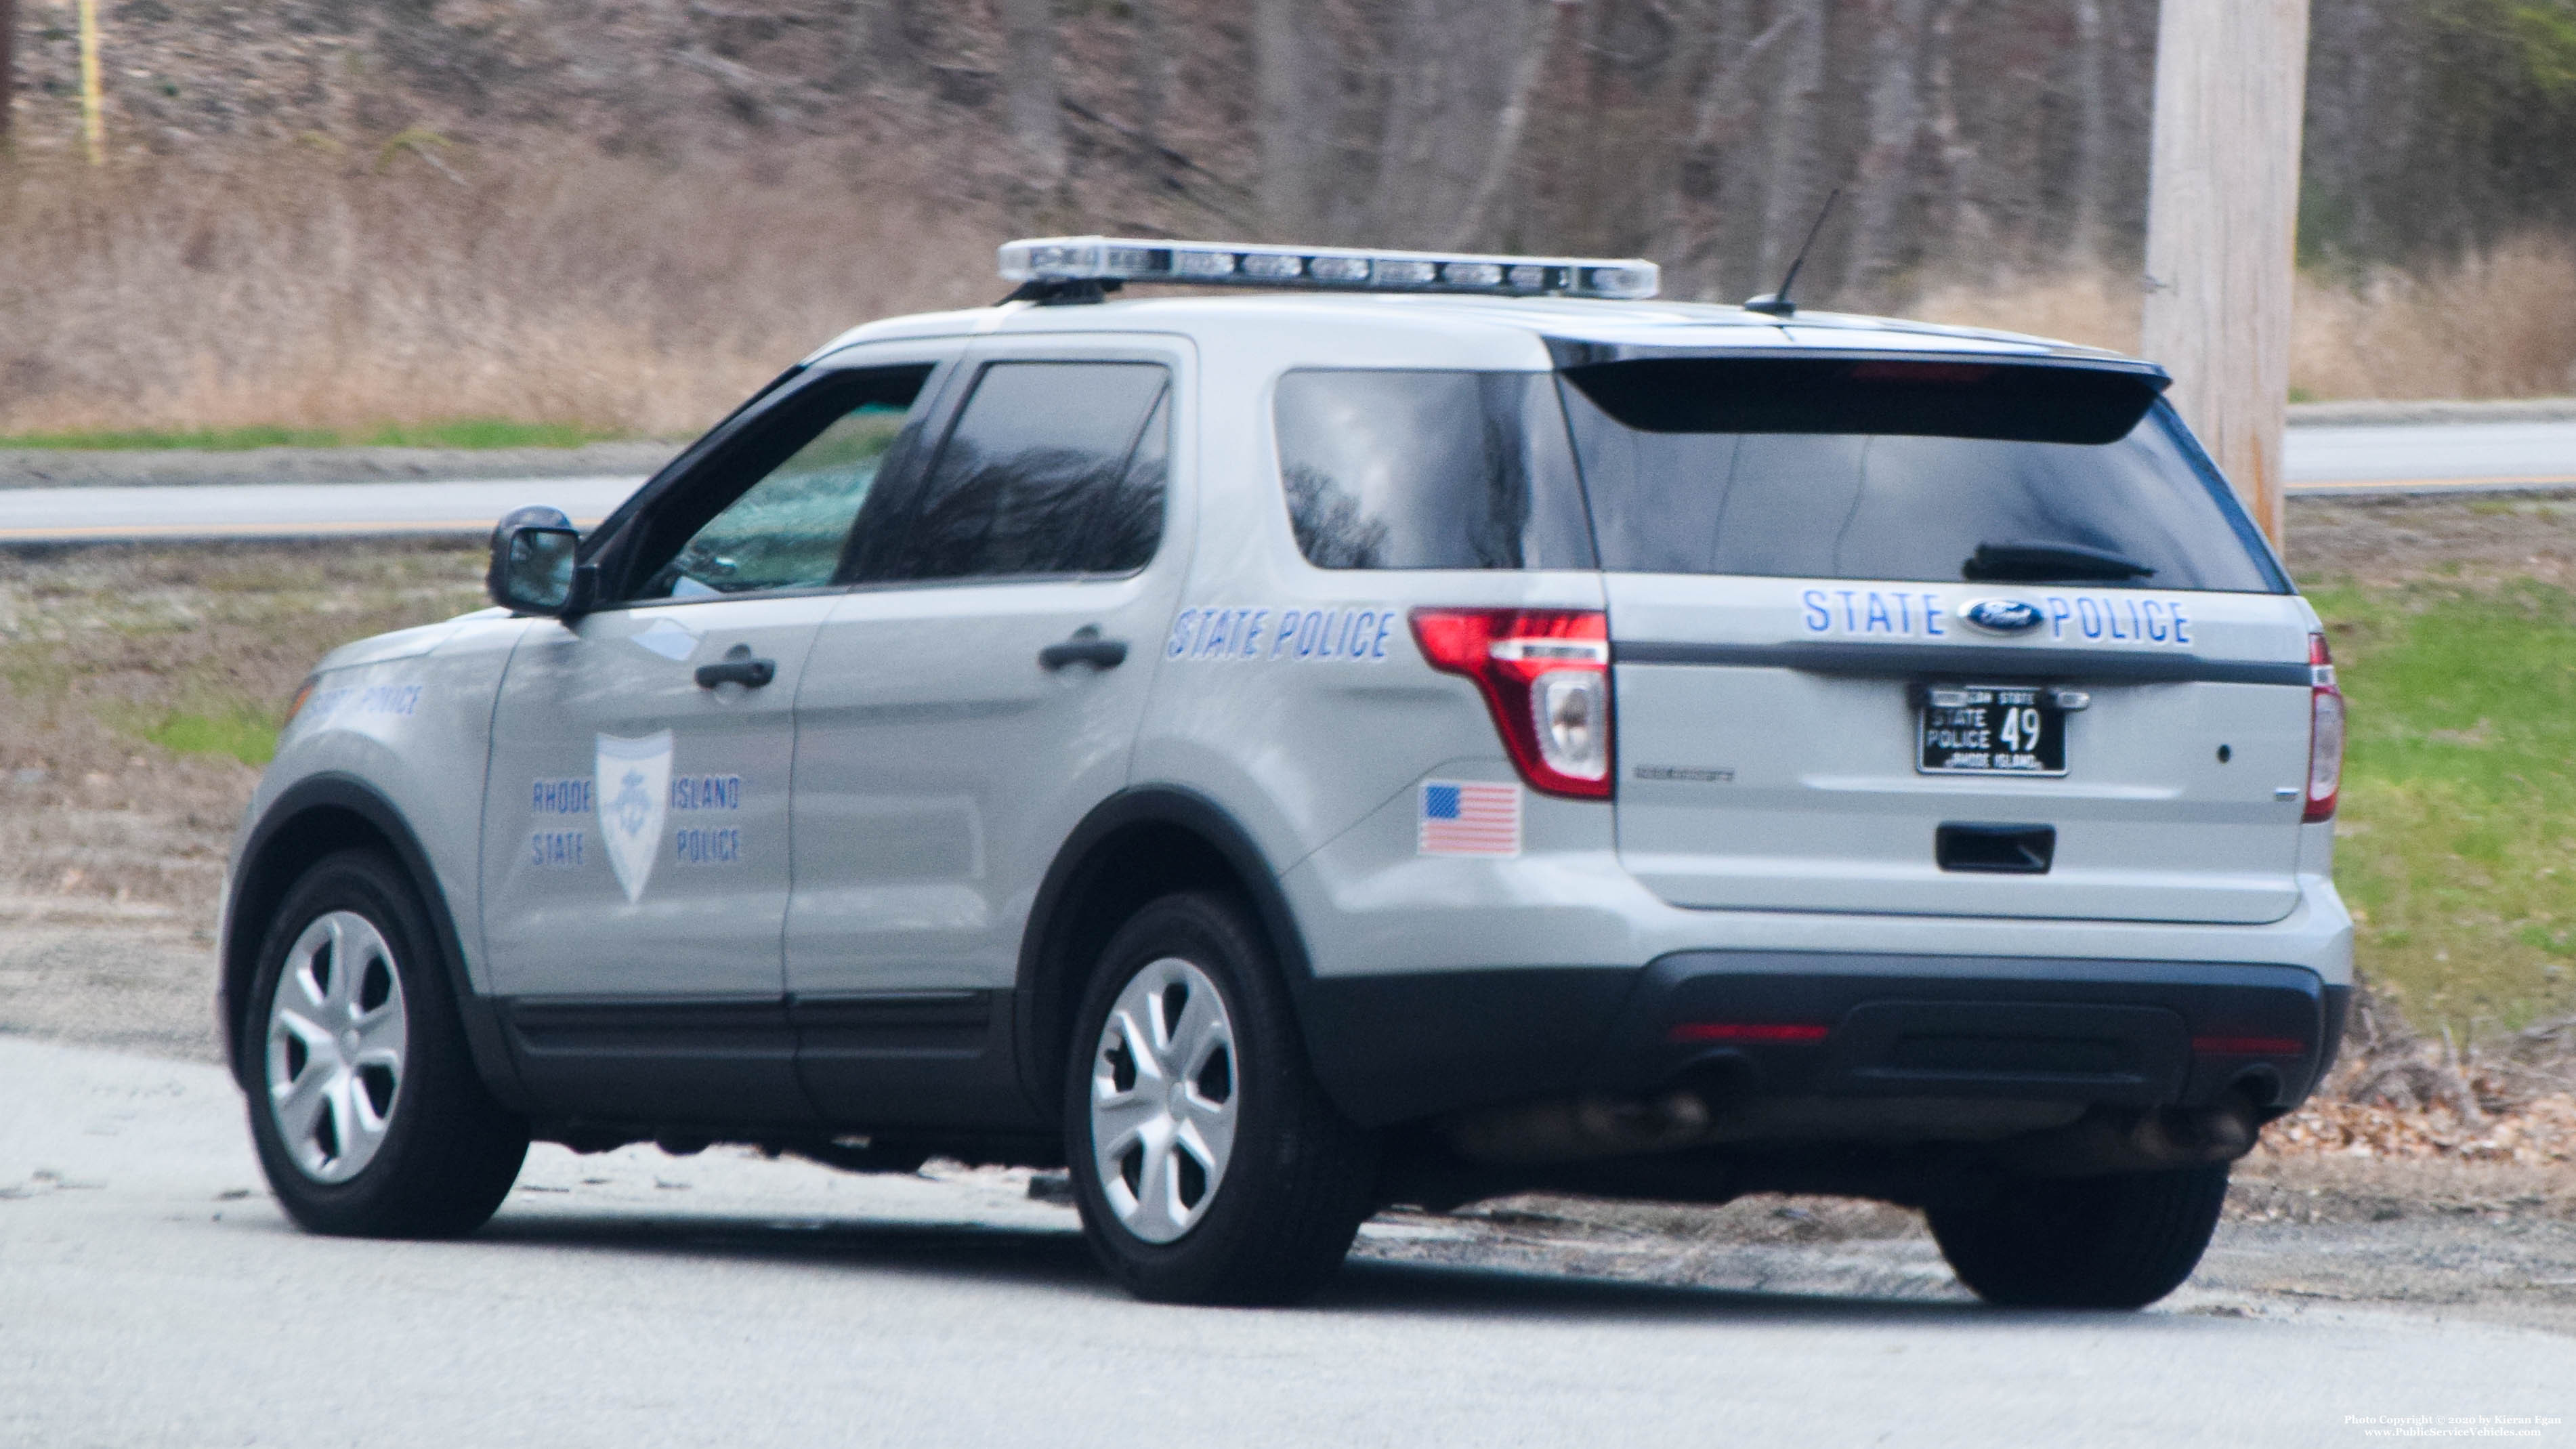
<point x="1408" y="729"/>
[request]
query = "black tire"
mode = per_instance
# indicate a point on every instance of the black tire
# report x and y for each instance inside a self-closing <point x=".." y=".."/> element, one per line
<point x="1277" y="1221"/>
<point x="447" y="1153"/>
<point x="2084" y="1242"/>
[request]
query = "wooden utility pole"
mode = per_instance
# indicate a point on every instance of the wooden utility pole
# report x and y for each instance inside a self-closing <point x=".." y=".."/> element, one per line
<point x="2222" y="219"/>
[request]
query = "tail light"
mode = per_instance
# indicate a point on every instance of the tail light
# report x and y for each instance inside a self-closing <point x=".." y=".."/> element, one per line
<point x="1545" y="674"/>
<point x="2325" y="733"/>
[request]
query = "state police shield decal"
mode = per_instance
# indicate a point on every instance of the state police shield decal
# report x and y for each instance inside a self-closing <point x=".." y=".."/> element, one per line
<point x="634" y="785"/>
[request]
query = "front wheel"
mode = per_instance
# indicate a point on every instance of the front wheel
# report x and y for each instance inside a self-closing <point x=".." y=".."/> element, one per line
<point x="364" y="1102"/>
<point x="2082" y="1242"/>
<point x="1207" y="1163"/>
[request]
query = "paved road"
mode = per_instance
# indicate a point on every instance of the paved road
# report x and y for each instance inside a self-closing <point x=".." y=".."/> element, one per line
<point x="151" y="1294"/>
<point x="2325" y="461"/>
<point x="293" y="510"/>
<point x="2432" y="457"/>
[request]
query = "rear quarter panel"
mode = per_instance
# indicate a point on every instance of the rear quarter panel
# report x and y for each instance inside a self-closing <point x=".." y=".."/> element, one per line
<point x="1294" y="696"/>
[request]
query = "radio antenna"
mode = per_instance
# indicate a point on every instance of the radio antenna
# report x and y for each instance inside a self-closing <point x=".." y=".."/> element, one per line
<point x="1777" y="304"/>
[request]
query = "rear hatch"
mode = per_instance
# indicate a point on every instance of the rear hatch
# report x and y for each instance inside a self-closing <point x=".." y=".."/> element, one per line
<point x="1947" y="638"/>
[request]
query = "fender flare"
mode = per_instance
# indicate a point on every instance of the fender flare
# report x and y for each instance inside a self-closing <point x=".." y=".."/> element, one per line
<point x="1056" y="908"/>
<point x="257" y="887"/>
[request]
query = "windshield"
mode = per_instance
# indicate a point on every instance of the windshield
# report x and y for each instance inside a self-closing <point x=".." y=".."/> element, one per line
<point x="1939" y="472"/>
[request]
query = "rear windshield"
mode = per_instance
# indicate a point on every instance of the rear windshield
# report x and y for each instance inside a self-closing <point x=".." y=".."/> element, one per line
<point x="1429" y="470"/>
<point x="1842" y="469"/>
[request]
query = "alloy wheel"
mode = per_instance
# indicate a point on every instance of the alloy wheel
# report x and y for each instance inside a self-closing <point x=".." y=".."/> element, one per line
<point x="337" y="1038"/>
<point x="1164" y="1100"/>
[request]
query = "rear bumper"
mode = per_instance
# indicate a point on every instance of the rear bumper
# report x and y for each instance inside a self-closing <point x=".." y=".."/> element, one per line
<point x="1813" y="1025"/>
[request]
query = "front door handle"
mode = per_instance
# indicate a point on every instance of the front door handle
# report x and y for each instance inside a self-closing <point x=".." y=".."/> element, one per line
<point x="1085" y="647"/>
<point x="737" y="667"/>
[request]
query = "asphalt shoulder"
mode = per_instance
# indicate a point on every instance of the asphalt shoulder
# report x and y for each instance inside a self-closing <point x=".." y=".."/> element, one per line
<point x="172" y="467"/>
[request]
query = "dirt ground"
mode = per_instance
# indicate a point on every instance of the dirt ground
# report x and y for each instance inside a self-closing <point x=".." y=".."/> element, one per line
<point x="2445" y="1241"/>
<point x="112" y="877"/>
<point x="2380" y="542"/>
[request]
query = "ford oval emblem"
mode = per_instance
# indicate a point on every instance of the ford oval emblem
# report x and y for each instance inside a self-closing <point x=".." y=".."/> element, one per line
<point x="2001" y="616"/>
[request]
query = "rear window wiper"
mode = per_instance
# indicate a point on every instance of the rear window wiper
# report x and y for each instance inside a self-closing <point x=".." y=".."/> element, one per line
<point x="2041" y="562"/>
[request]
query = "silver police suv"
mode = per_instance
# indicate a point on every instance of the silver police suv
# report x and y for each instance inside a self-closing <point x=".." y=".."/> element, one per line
<point x="1410" y="729"/>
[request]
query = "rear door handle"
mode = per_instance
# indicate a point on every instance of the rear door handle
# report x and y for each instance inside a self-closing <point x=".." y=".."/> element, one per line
<point x="738" y="667"/>
<point x="1085" y="647"/>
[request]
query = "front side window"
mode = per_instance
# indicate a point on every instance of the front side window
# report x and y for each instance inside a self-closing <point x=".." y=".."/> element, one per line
<point x="1429" y="470"/>
<point x="786" y="498"/>
<point x="1052" y="468"/>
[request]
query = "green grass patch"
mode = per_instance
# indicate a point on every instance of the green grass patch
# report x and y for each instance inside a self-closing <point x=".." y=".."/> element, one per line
<point x="216" y="440"/>
<point x="2457" y="839"/>
<point x="453" y="433"/>
<point x="482" y="433"/>
<point x="249" y="736"/>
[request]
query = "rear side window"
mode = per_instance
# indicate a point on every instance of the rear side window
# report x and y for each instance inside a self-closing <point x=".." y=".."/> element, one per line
<point x="1052" y="468"/>
<point x="1429" y="470"/>
<point x="1876" y="470"/>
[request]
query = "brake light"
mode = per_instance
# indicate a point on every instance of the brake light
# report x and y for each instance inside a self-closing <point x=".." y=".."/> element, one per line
<point x="1545" y="674"/>
<point x="2325" y="733"/>
<point x="1773" y="1033"/>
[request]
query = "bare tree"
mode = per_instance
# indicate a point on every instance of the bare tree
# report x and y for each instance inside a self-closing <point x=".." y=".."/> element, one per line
<point x="2092" y="86"/>
<point x="1967" y="219"/>
<point x="1796" y="183"/>
<point x="1036" y="106"/>
<point x="1885" y="185"/>
<point x="1153" y="64"/>
<point x="1537" y="45"/>
<point x="8" y="64"/>
<point x="1450" y="80"/>
<point x="1294" y="114"/>
<point x="1722" y="113"/>
<point x="882" y="48"/>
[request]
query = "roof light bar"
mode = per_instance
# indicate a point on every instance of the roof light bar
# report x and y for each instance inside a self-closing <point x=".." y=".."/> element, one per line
<point x="1122" y="259"/>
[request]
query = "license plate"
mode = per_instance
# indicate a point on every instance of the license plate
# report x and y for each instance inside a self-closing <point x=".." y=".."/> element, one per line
<point x="1991" y="729"/>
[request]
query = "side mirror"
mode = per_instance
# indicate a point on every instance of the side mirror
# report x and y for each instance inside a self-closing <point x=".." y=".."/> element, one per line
<point x="532" y="563"/>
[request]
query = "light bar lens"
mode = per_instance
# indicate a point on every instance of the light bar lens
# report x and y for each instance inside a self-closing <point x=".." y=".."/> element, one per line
<point x="1102" y="259"/>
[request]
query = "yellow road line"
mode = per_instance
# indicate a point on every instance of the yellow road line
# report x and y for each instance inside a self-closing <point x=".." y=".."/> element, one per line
<point x="258" y="530"/>
<point x="2566" y="481"/>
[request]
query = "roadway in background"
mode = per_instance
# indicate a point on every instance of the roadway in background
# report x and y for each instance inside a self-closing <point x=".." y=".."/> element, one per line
<point x="2323" y="460"/>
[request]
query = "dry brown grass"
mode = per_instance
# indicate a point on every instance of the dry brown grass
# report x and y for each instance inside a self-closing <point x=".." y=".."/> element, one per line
<point x="2501" y="324"/>
<point x="310" y="289"/>
<point x="2494" y="325"/>
<point x="316" y="288"/>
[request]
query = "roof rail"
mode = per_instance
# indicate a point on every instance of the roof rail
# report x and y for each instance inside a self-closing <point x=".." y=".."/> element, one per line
<point x="1050" y="269"/>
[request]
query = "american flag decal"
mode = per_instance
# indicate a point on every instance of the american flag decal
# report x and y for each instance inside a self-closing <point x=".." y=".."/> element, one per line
<point x="1463" y="818"/>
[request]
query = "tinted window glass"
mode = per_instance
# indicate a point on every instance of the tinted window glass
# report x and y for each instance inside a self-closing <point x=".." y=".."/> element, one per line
<point x="1429" y="470"/>
<point x="1052" y="468"/>
<point x="1897" y="493"/>
<point x="777" y="509"/>
<point x="1128" y="523"/>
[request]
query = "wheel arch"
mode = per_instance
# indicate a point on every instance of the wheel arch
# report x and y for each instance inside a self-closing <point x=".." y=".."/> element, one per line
<point x="314" y="818"/>
<point x="1133" y="847"/>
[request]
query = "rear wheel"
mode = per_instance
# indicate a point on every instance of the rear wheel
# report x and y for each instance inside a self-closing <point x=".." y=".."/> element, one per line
<point x="1207" y="1163"/>
<point x="2082" y="1242"/>
<point x="364" y="1103"/>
